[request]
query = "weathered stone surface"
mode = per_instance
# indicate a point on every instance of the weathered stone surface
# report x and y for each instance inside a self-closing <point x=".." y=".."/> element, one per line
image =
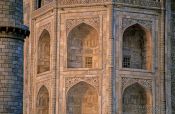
<point x="11" y="69"/>
<point x="12" y="34"/>
<point x="11" y="13"/>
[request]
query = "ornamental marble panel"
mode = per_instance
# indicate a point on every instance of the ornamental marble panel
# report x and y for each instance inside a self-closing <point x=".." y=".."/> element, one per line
<point x="72" y="2"/>
<point x="46" y="26"/>
<point x="126" y="22"/>
<point x="45" y="83"/>
<point x="71" y="23"/>
<point x="146" y="83"/>
<point x="71" y="81"/>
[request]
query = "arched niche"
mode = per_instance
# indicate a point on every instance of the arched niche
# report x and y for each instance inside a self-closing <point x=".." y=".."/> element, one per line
<point x="137" y="48"/>
<point x="44" y="52"/>
<point x="82" y="98"/>
<point x="83" y="47"/>
<point x="137" y="100"/>
<point x="42" y="105"/>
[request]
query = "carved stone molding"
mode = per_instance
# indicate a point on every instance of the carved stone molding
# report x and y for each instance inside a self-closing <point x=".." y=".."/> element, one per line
<point x="71" y="2"/>
<point x="146" y="83"/>
<point x="71" y="23"/>
<point x="126" y="22"/>
<point x="71" y="81"/>
<point x="142" y="3"/>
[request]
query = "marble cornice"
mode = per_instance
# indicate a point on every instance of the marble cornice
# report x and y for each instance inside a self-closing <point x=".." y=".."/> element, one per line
<point x="91" y="3"/>
<point x="130" y="3"/>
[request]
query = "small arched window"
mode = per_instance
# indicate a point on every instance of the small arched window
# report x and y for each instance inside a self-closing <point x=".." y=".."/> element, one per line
<point x="44" y="52"/>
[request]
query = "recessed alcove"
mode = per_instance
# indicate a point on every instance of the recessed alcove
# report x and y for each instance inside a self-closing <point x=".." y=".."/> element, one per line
<point x="83" y="47"/>
<point x="137" y="48"/>
<point x="43" y="62"/>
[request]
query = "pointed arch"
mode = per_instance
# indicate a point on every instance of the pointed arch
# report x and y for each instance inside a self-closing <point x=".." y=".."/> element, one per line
<point x="81" y="23"/>
<point x="42" y="104"/>
<point x="83" y="47"/>
<point x="137" y="48"/>
<point x="43" y="52"/>
<point x="136" y="100"/>
<point x="82" y="98"/>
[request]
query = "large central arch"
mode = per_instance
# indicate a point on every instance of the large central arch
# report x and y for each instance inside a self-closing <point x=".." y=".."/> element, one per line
<point x="137" y="100"/>
<point x="137" y="48"/>
<point x="82" y="98"/>
<point x="83" y="47"/>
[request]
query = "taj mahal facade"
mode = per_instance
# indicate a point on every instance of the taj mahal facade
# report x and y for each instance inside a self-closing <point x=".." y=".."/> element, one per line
<point x="99" y="57"/>
<point x="87" y="57"/>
